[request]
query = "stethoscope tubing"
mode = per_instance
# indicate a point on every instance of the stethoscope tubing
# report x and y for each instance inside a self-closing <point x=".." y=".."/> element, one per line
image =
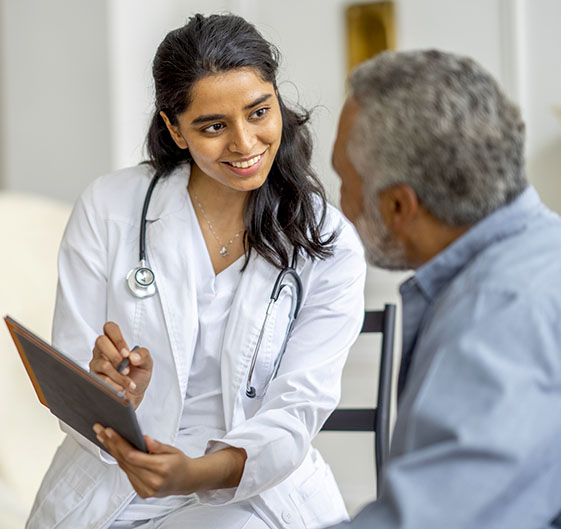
<point x="143" y="216"/>
<point x="143" y="289"/>
<point x="296" y="299"/>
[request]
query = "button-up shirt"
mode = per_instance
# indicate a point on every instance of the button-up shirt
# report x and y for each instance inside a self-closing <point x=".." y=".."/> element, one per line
<point x="477" y="443"/>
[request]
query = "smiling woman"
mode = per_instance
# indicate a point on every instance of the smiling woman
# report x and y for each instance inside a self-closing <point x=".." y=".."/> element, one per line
<point x="232" y="130"/>
<point x="234" y="373"/>
<point x="217" y="105"/>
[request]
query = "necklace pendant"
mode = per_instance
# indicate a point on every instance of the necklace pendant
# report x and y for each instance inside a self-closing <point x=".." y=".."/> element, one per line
<point x="223" y="251"/>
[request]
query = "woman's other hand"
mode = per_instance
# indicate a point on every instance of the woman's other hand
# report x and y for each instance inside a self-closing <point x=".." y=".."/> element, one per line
<point x="109" y="351"/>
<point x="168" y="471"/>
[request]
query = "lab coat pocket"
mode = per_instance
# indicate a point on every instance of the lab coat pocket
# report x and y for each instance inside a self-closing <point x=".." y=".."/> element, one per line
<point x="318" y="500"/>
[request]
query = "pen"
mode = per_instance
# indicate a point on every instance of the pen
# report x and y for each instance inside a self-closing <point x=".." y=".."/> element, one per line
<point x="125" y="362"/>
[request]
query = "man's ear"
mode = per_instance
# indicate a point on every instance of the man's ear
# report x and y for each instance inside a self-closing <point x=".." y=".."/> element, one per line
<point x="174" y="131"/>
<point x="399" y="207"/>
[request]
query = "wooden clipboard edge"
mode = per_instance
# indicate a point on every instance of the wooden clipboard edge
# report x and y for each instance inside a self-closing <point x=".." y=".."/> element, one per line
<point x="27" y="365"/>
<point x="14" y="327"/>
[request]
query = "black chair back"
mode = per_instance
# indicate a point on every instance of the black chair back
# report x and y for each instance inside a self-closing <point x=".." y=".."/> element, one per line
<point x="376" y="419"/>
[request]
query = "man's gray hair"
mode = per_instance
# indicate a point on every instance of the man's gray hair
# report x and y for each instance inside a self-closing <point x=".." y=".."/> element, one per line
<point x="440" y="124"/>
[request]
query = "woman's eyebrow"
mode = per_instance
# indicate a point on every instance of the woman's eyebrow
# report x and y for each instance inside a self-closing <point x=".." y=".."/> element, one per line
<point x="207" y="117"/>
<point x="216" y="117"/>
<point x="258" y="101"/>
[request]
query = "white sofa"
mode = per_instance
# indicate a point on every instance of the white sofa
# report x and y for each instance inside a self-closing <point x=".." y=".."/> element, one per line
<point x="31" y="228"/>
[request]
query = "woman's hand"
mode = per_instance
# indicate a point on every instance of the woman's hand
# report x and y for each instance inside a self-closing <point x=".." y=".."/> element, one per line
<point x="167" y="471"/>
<point x="109" y="351"/>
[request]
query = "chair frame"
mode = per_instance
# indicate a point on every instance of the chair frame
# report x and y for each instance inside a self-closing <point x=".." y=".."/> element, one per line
<point x="377" y="419"/>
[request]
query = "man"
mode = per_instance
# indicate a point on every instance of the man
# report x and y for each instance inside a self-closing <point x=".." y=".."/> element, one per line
<point x="430" y="155"/>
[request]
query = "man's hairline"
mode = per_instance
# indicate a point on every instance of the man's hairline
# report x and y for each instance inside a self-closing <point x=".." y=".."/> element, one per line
<point x="372" y="187"/>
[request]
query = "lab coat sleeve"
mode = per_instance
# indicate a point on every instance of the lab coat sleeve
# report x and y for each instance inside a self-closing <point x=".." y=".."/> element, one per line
<point x="307" y="388"/>
<point x="482" y="438"/>
<point x="81" y="292"/>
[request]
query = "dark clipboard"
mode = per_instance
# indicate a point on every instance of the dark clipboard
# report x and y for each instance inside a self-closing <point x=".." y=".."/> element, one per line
<point x="74" y="395"/>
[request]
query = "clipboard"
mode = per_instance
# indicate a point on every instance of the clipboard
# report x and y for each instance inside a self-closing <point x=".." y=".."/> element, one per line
<point x="74" y="395"/>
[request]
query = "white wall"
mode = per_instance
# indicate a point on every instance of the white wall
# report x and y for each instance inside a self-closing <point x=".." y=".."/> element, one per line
<point x="54" y="106"/>
<point x="543" y="96"/>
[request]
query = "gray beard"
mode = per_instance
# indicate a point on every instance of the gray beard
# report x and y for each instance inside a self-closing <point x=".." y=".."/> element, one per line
<point x="380" y="247"/>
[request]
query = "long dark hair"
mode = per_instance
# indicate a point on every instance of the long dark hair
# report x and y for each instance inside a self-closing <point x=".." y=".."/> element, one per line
<point x="280" y="215"/>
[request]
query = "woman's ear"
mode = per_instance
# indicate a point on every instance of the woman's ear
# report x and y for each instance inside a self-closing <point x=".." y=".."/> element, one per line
<point x="174" y="131"/>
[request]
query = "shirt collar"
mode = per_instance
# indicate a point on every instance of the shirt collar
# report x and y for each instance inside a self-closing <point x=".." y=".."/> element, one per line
<point x="434" y="275"/>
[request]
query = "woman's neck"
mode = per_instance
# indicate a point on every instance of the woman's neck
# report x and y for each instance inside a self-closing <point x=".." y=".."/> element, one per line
<point x="219" y="211"/>
<point x="223" y="205"/>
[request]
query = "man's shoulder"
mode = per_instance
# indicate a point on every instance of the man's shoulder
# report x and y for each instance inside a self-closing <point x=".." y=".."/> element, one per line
<point x="526" y="261"/>
<point x="515" y="277"/>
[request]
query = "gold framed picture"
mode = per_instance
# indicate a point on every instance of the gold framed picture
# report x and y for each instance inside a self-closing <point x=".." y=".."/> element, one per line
<point x="370" y="29"/>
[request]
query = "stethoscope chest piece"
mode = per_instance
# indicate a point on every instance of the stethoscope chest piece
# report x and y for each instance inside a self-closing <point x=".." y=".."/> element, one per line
<point x="141" y="281"/>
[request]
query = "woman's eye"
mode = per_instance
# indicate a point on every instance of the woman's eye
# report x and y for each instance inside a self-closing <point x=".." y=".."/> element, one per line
<point x="260" y="112"/>
<point x="215" y="127"/>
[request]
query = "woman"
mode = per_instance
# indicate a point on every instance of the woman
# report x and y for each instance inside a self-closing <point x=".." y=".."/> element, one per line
<point x="234" y="201"/>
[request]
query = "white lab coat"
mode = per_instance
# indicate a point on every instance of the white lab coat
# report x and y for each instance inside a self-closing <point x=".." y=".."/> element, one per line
<point x="285" y="480"/>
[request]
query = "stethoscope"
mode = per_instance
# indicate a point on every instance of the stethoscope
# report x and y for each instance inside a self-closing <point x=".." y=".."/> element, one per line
<point x="142" y="284"/>
<point x="295" y="285"/>
<point x="141" y="279"/>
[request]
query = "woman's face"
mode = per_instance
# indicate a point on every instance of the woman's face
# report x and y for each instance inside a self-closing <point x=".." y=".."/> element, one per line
<point x="232" y="128"/>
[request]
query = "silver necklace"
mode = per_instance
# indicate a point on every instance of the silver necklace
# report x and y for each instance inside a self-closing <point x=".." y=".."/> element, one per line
<point x="223" y="247"/>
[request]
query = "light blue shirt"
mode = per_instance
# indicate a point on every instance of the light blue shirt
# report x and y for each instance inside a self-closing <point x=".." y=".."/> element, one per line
<point x="477" y="443"/>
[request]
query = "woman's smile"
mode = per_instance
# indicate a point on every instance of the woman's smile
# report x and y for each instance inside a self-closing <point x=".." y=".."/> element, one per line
<point x="247" y="166"/>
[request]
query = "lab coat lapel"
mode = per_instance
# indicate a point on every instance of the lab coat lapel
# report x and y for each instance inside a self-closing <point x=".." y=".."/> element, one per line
<point x="169" y="252"/>
<point x="176" y="287"/>
<point x="242" y="330"/>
